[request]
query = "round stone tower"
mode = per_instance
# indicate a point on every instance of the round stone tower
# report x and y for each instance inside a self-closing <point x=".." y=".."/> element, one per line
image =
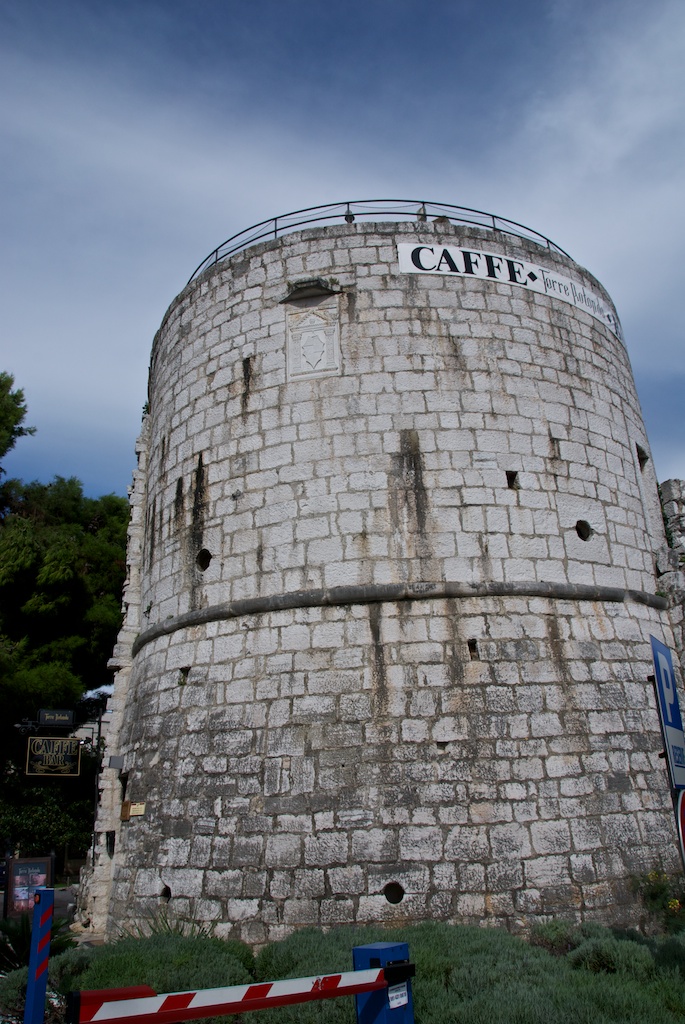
<point x="391" y="585"/>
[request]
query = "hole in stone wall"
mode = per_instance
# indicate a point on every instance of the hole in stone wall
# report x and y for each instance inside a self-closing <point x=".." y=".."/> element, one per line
<point x="183" y="675"/>
<point x="203" y="559"/>
<point x="513" y="480"/>
<point x="474" y="653"/>
<point x="441" y="744"/>
<point x="642" y="456"/>
<point x="166" y="893"/>
<point x="123" y="781"/>
<point x="393" y="892"/>
<point x="583" y="529"/>
<point x="110" y="839"/>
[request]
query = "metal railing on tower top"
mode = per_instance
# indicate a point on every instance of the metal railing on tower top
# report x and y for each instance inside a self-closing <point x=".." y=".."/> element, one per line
<point x="375" y="210"/>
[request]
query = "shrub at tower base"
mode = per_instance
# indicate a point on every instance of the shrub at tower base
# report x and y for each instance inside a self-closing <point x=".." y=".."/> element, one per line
<point x="463" y="974"/>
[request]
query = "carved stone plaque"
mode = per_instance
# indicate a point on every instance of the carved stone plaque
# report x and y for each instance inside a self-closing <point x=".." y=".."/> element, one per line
<point x="313" y="341"/>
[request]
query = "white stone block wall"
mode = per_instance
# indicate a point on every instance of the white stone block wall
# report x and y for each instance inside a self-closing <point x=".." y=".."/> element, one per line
<point x="96" y="876"/>
<point x="671" y="559"/>
<point x="375" y="646"/>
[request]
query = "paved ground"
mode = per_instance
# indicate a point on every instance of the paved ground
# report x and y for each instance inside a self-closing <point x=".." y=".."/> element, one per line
<point x="65" y="901"/>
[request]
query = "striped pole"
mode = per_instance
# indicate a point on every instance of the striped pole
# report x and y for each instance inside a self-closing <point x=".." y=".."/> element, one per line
<point x="41" y="927"/>
<point x="144" y="1007"/>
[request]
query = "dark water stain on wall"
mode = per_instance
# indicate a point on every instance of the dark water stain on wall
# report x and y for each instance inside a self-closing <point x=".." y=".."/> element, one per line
<point x="150" y="531"/>
<point x="455" y="665"/>
<point x="247" y="381"/>
<point x="556" y="645"/>
<point x="197" y="526"/>
<point x="408" y="498"/>
<point x="380" y="698"/>
<point x="178" y="503"/>
<point x="412" y="474"/>
<point x="259" y="556"/>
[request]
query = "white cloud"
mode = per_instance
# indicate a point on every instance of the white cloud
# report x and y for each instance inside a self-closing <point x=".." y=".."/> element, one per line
<point x="123" y="189"/>
<point x="603" y="155"/>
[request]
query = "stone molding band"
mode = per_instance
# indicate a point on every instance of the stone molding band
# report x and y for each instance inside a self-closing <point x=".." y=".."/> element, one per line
<point x="374" y="593"/>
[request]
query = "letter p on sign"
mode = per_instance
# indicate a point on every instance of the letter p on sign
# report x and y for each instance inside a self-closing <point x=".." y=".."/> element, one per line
<point x="665" y="673"/>
<point x="669" y="712"/>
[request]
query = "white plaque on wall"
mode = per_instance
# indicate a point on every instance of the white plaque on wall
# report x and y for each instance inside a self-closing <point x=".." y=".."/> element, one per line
<point x="313" y="342"/>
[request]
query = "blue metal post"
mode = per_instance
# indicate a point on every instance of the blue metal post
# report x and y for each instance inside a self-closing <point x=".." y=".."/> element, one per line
<point x="41" y="927"/>
<point x="393" y="1005"/>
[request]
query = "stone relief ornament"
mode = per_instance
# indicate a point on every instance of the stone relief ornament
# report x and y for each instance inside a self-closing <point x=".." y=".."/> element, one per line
<point x="313" y="342"/>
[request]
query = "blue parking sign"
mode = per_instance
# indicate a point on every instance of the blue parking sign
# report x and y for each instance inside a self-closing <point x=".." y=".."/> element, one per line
<point x="669" y="712"/>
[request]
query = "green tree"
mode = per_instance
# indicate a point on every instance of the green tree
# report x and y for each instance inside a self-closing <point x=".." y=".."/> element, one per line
<point x="12" y="415"/>
<point x="62" y="566"/>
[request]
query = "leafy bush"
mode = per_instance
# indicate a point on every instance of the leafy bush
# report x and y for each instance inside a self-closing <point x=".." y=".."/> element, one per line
<point x="633" y="935"/>
<point x="664" y="897"/>
<point x="557" y="937"/>
<point x="325" y="954"/>
<point x="609" y="956"/>
<point x="165" y="923"/>
<point x="477" y="976"/>
<point x="242" y="953"/>
<point x="464" y="975"/>
<point x="669" y="954"/>
<point x="65" y="971"/>
<point x="168" y="963"/>
<point x="13" y="993"/>
<point x="13" y="998"/>
<point x="15" y="940"/>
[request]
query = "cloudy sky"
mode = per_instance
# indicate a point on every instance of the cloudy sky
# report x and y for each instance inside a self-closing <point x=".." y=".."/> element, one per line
<point x="139" y="134"/>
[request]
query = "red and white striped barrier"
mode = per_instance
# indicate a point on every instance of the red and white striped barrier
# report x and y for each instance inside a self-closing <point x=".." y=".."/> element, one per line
<point x="141" y="1005"/>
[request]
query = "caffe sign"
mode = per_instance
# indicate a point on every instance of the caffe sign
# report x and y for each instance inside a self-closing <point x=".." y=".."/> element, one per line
<point x="453" y="261"/>
<point x="53" y="755"/>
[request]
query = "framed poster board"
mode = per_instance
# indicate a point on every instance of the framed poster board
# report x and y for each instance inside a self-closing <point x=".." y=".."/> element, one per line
<point x="24" y="875"/>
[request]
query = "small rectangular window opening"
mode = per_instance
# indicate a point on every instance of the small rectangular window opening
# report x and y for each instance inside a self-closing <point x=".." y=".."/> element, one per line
<point x="642" y="456"/>
<point x="513" y="480"/>
<point x="473" y="650"/>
